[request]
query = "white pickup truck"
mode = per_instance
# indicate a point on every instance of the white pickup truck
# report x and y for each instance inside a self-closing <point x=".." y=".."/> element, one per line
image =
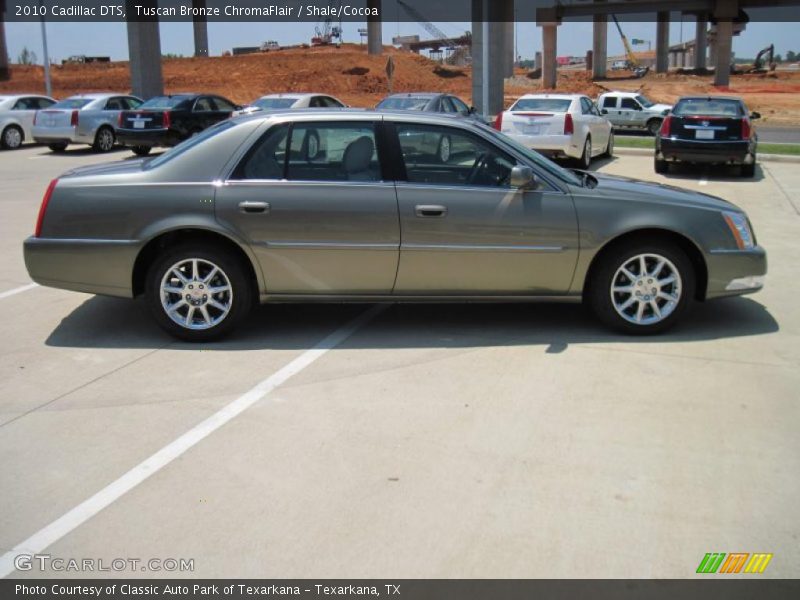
<point x="632" y="110"/>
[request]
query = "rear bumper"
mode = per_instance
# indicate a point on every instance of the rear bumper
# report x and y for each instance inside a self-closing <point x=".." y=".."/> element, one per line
<point x="733" y="152"/>
<point x="149" y="138"/>
<point x="91" y="266"/>
<point x="59" y="135"/>
<point x="553" y="145"/>
<point x="735" y="272"/>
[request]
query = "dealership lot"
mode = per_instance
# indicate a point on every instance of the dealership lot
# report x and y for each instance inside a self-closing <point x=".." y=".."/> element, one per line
<point x="428" y="441"/>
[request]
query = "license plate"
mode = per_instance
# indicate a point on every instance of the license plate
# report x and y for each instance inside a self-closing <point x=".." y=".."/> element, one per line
<point x="531" y="129"/>
<point x="704" y="134"/>
<point x="138" y="124"/>
<point x="50" y="122"/>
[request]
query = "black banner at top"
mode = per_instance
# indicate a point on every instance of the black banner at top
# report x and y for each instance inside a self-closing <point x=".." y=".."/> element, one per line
<point x="393" y="10"/>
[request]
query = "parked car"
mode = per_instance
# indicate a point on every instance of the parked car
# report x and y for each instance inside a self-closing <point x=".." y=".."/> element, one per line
<point x="429" y="102"/>
<point x="82" y="119"/>
<point x="16" y="118"/>
<point x="284" y="101"/>
<point x="619" y="65"/>
<point x="168" y="120"/>
<point x="241" y="212"/>
<point x="559" y="126"/>
<point x="708" y="130"/>
<point x="632" y="110"/>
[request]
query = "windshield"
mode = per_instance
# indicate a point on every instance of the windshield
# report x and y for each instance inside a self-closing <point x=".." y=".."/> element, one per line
<point x="163" y="102"/>
<point x="190" y="143"/>
<point x="536" y="158"/>
<point x="72" y="103"/>
<point x="408" y="103"/>
<point x="548" y="104"/>
<point x="710" y="107"/>
<point x="274" y="103"/>
<point x="644" y="101"/>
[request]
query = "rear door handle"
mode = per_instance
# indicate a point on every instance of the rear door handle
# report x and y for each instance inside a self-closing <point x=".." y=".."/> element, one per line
<point x="430" y="210"/>
<point x="249" y="206"/>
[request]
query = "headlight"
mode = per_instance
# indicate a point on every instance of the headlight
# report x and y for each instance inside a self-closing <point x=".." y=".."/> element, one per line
<point x="740" y="229"/>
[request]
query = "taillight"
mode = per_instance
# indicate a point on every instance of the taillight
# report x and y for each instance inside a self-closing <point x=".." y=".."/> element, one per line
<point x="73" y="121"/>
<point x="666" y="126"/>
<point x="43" y="207"/>
<point x="119" y="120"/>
<point x="569" y="126"/>
<point x="498" y="121"/>
<point x="167" y="121"/>
<point x="745" y="128"/>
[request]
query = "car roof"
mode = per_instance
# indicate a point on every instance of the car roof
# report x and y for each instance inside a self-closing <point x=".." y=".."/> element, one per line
<point x="9" y="96"/>
<point x="98" y="95"/>
<point x="335" y="114"/>
<point x="416" y="95"/>
<point x="710" y="97"/>
<point x="627" y="94"/>
<point x="555" y="96"/>
<point x="295" y="95"/>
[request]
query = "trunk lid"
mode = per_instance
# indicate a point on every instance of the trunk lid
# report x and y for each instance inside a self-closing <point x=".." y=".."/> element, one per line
<point x="527" y="122"/>
<point x="142" y="119"/>
<point x="50" y="117"/>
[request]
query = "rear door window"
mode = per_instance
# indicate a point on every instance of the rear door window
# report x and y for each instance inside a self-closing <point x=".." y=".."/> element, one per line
<point x="267" y="158"/>
<point x="328" y="151"/>
<point x="610" y="102"/>
<point x="223" y="105"/>
<point x="630" y="104"/>
<point x="203" y="104"/>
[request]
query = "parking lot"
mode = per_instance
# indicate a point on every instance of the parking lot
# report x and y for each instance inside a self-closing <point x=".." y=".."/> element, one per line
<point x="418" y="441"/>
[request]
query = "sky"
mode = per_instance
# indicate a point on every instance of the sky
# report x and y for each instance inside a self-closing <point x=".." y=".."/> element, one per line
<point x="574" y="38"/>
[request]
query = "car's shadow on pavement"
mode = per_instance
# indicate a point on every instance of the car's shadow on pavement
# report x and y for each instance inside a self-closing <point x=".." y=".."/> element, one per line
<point x="74" y="151"/>
<point x="102" y="322"/>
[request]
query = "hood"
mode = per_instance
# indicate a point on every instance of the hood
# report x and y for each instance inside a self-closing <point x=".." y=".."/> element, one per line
<point x="625" y="188"/>
<point x="660" y="107"/>
<point x="119" y="167"/>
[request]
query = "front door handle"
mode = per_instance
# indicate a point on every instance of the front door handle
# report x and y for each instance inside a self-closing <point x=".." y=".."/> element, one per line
<point x="249" y="206"/>
<point x="430" y="210"/>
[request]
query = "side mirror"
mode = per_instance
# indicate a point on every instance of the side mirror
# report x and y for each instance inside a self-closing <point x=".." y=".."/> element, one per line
<point x="522" y="177"/>
<point x="472" y="110"/>
<point x="755" y="115"/>
<point x="604" y="111"/>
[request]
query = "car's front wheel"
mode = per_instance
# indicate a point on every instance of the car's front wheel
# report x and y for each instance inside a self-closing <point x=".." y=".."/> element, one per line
<point x="653" y="126"/>
<point x="141" y="150"/>
<point x="642" y="288"/>
<point x="198" y="293"/>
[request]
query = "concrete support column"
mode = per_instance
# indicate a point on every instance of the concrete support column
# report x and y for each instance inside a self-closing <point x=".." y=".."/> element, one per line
<point x="724" y="41"/>
<point x="662" y="42"/>
<point x="550" y="52"/>
<point x="144" y="49"/>
<point x="508" y="44"/>
<point x="495" y="51"/>
<point x="374" y="30"/>
<point x="701" y="42"/>
<point x="200" y="25"/>
<point x="4" y="72"/>
<point x="600" y="47"/>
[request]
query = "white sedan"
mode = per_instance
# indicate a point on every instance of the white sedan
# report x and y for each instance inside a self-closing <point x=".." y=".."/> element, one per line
<point x="284" y="101"/>
<point x="16" y="118"/>
<point x="559" y="126"/>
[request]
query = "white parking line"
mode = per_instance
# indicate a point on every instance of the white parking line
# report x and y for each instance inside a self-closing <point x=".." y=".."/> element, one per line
<point x="88" y="508"/>
<point x="19" y="290"/>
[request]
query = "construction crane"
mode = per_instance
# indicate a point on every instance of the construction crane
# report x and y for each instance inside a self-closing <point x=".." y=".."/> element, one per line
<point x="328" y="33"/>
<point x="633" y="64"/>
<point x="434" y="31"/>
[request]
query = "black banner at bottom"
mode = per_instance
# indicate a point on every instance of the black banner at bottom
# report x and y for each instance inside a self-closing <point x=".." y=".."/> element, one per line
<point x="405" y="589"/>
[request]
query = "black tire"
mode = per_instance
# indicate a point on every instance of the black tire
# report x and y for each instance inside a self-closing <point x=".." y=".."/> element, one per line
<point x="445" y="149"/>
<point x="661" y="166"/>
<point x="11" y="138"/>
<point x="60" y="147"/>
<point x="748" y="170"/>
<point x="311" y="145"/>
<point x="654" y="126"/>
<point x="104" y="140"/>
<point x="585" y="161"/>
<point x="607" y="273"/>
<point x="609" y="153"/>
<point x="141" y="150"/>
<point x="232" y="270"/>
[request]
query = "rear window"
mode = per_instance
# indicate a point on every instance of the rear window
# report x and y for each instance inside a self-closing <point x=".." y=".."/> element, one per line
<point x="548" y="104"/>
<point x="708" y="107"/>
<point x="165" y="102"/>
<point x="404" y="103"/>
<point x="72" y="103"/>
<point x="274" y="103"/>
<point x="191" y="143"/>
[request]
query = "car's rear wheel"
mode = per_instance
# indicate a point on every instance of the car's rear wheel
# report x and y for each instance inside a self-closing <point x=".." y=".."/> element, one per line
<point x="585" y="161"/>
<point x="642" y="288"/>
<point x="104" y="140"/>
<point x="660" y="166"/>
<point x="198" y="293"/>
<point x="609" y="153"/>
<point x="141" y="150"/>
<point x="59" y="147"/>
<point x="445" y="147"/>
<point x="748" y="170"/>
<point x="12" y="137"/>
<point x="653" y="126"/>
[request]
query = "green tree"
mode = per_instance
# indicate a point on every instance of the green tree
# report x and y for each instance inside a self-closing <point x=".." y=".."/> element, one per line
<point x="26" y="57"/>
<point x="791" y="56"/>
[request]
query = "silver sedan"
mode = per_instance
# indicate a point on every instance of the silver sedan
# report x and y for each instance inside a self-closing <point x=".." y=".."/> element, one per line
<point x="250" y="211"/>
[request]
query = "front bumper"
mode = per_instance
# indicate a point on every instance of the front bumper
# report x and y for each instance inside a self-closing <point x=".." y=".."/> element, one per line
<point x="550" y="145"/>
<point x="149" y="138"/>
<point x="707" y="152"/>
<point x="735" y="272"/>
<point x="91" y="266"/>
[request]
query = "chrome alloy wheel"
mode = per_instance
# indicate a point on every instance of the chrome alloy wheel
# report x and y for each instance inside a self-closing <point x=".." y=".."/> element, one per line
<point x="646" y="289"/>
<point x="105" y="140"/>
<point x="196" y="293"/>
<point x="12" y="137"/>
<point x="444" y="149"/>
